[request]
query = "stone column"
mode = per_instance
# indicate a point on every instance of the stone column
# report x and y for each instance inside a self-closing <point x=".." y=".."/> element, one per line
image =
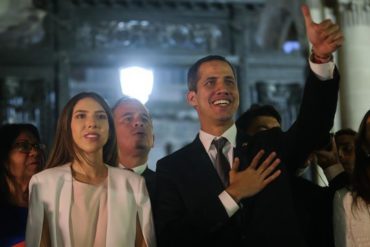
<point x="354" y="61"/>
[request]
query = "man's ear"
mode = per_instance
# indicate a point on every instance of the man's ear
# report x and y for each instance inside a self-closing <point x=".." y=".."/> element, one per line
<point x="192" y="99"/>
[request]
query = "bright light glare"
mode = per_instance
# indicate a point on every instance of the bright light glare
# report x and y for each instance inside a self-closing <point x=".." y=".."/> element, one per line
<point x="291" y="46"/>
<point x="137" y="82"/>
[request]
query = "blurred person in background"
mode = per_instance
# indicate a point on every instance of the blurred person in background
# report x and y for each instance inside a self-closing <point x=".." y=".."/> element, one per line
<point x="21" y="156"/>
<point x="312" y="202"/>
<point x="135" y="138"/>
<point x="345" y="142"/>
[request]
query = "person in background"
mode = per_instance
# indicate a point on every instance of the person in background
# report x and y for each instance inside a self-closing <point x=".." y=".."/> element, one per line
<point x="345" y="141"/>
<point x="313" y="202"/>
<point x="352" y="205"/>
<point x="81" y="199"/>
<point x="21" y="156"/>
<point x="135" y="139"/>
<point x="258" y="118"/>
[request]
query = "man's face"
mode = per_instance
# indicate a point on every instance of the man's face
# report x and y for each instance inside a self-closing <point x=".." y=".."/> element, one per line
<point x="134" y="128"/>
<point x="261" y="123"/>
<point x="346" y="151"/>
<point x="217" y="96"/>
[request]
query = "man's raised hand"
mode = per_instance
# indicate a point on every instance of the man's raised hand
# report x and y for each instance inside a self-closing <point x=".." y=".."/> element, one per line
<point x="325" y="37"/>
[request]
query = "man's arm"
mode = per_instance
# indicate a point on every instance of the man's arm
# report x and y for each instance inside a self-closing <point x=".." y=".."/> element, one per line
<point x="319" y="102"/>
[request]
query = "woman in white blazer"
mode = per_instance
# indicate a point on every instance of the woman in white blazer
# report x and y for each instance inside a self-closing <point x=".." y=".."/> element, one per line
<point x="82" y="200"/>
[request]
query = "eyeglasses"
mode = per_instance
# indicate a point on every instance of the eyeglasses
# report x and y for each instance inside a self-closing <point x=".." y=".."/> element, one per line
<point x="26" y="147"/>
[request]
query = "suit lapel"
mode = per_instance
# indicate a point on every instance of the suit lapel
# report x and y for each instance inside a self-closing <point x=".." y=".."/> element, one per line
<point x="242" y="150"/>
<point x="202" y="167"/>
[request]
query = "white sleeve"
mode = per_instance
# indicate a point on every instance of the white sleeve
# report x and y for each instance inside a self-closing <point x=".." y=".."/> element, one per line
<point x="229" y="204"/>
<point x="35" y="218"/>
<point x="339" y="220"/>
<point x="323" y="71"/>
<point x="145" y="215"/>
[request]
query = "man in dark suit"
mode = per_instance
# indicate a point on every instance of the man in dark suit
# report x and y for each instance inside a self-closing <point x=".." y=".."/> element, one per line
<point x="313" y="203"/>
<point x="134" y="130"/>
<point x="196" y="205"/>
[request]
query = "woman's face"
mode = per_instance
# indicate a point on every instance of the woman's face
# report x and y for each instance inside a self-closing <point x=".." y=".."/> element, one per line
<point x="89" y="125"/>
<point x="25" y="157"/>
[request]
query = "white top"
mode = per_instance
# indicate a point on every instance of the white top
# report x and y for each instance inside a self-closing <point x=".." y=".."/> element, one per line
<point x="351" y="223"/>
<point x="51" y="196"/>
<point x="89" y="214"/>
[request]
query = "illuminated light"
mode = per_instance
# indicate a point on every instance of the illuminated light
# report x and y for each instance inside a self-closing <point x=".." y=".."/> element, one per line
<point x="137" y="82"/>
<point x="291" y="46"/>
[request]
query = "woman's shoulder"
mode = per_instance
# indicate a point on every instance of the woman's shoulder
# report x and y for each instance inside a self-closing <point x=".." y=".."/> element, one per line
<point x="52" y="173"/>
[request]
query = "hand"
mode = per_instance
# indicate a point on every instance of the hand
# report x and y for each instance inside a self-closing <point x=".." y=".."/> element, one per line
<point x="325" y="37"/>
<point x="252" y="180"/>
<point x="326" y="158"/>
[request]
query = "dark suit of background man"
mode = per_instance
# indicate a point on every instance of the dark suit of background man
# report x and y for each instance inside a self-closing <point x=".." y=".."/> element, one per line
<point x="194" y="208"/>
<point x="313" y="203"/>
<point x="135" y="138"/>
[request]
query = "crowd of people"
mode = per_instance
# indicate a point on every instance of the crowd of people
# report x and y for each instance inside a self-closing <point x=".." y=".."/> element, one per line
<point x="237" y="184"/>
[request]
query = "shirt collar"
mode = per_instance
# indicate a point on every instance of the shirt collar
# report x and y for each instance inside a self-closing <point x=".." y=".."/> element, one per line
<point x="229" y="134"/>
<point x="137" y="169"/>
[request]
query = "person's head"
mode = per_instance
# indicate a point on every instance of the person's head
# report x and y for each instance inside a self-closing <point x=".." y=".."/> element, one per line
<point x="134" y="128"/>
<point x="85" y="126"/>
<point x="213" y="91"/>
<point x="258" y="118"/>
<point x="361" y="170"/>
<point x="21" y="156"/>
<point x="345" y="142"/>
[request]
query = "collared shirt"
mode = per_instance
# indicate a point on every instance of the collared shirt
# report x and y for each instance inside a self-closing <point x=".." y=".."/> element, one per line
<point x="230" y="134"/>
<point x="322" y="71"/>
<point x="137" y="169"/>
<point x="228" y="149"/>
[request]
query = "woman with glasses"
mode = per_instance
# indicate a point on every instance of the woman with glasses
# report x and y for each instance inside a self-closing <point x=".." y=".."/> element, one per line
<point x="21" y="156"/>
<point x="81" y="199"/>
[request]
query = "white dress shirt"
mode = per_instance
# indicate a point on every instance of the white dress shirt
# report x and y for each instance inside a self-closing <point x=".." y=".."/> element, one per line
<point x="137" y="169"/>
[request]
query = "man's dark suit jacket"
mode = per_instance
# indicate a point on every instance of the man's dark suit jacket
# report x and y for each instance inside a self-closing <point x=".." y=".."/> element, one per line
<point x="150" y="182"/>
<point x="188" y="210"/>
<point x="314" y="206"/>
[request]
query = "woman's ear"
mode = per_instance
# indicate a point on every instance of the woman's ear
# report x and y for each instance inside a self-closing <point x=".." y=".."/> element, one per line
<point x="192" y="99"/>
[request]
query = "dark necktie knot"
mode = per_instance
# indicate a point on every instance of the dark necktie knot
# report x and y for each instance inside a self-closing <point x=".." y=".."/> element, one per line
<point x="219" y="143"/>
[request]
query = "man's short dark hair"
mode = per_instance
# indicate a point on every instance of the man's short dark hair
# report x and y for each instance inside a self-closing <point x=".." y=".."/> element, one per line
<point x="194" y="69"/>
<point x="245" y="120"/>
<point x="346" y="131"/>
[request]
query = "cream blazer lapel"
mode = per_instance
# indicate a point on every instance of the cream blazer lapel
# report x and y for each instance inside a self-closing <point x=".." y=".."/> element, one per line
<point x="121" y="211"/>
<point x="64" y="189"/>
<point x="127" y="199"/>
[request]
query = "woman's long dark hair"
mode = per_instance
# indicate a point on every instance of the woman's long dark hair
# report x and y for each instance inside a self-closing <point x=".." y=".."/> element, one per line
<point x="63" y="150"/>
<point x="361" y="171"/>
<point x="8" y="135"/>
